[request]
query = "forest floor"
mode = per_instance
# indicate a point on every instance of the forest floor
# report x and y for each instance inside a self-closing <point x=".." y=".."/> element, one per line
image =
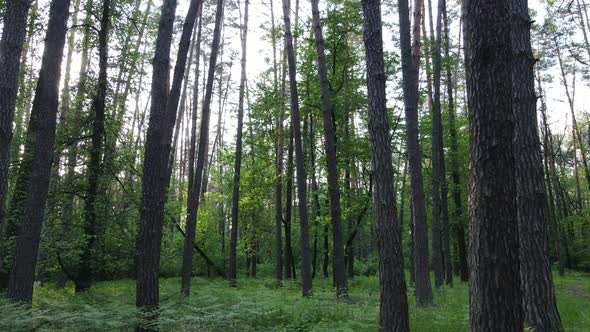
<point x="257" y="306"/>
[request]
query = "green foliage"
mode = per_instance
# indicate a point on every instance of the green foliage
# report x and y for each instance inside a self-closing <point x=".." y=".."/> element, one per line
<point x="256" y="305"/>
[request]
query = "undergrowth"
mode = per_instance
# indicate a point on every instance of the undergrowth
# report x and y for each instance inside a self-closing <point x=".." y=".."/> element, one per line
<point x="256" y="305"/>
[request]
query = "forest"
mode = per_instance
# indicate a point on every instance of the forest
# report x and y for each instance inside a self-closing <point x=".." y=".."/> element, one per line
<point x="264" y="165"/>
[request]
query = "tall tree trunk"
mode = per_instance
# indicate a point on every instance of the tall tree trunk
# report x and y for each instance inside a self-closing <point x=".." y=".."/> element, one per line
<point x="191" y="223"/>
<point x="35" y="168"/>
<point x="279" y="154"/>
<point x="410" y="87"/>
<point x="11" y="48"/>
<point x="331" y="157"/>
<point x="238" y="162"/>
<point x="289" y="261"/>
<point x="300" y="164"/>
<point x="552" y="183"/>
<point x="437" y="175"/>
<point x="393" y="315"/>
<point x="493" y="245"/>
<point x="539" y="304"/>
<point x="459" y="225"/>
<point x="87" y="267"/>
<point x="193" y="194"/>
<point x="155" y="164"/>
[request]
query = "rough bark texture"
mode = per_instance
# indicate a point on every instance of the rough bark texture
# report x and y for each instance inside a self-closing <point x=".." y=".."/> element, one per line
<point x="299" y="157"/>
<point x="191" y="223"/>
<point x="11" y="48"/>
<point x="495" y="296"/>
<point x="331" y="157"/>
<point x="87" y="268"/>
<point x="238" y="162"/>
<point x="38" y="157"/>
<point x="155" y="169"/>
<point x="540" y="307"/>
<point x="410" y="88"/>
<point x="393" y="315"/>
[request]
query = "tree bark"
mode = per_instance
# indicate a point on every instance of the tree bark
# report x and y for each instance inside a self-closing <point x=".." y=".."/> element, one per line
<point x="35" y="168"/>
<point x="539" y="304"/>
<point x="191" y="223"/>
<point x="238" y="162"/>
<point x="289" y="261"/>
<point x="87" y="267"/>
<point x="11" y="47"/>
<point x="410" y="88"/>
<point x="493" y="245"/>
<point x="331" y="157"/>
<point x="393" y="314"/>
<point x="299" y="157"/>
<point x="459" y="225"/>
<point x="154" y="171"/>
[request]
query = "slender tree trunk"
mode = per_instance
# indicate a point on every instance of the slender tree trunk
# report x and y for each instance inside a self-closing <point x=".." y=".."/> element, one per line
<point x="191" y="223"/>
<point x="154" y="172"/>
<point x="301" y="177"/>
<point x="11" y="48"/>
<point x="279" y="156"/>
<point x="539" y="304"/>
<point x="459" y="226"/>
<point x="238" y="161"/>
<point x="493" y="245"/>
<point x="410" y="87"/>
<point x="437" y="175"/>
<point x="393" y="314"/>
<point x="87" y="267"/>
<point x="331" y="157"/>
<point x="289" y="261"/>
<point x="35" y="168"/>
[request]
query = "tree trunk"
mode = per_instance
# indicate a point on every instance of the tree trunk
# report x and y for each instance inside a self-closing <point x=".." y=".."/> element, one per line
<point x="87" y="267"/>
<point x="289" y="261"/>
<point x="539" y="304"/>
<point x="410" y="88"/>
<point x="11" y="47"/>
<point x="278" y="248"/>
<point x="300" y="165"/>
<point x="459" y="226"/>
<point x="35" y="168"/>
<point x="154" y="171"/>
<point x="191" y="223"/>
<point x="331" y="157"/>
<point x="393" y="314"/>
<point x="238" y="162"/>
<point x="493" y="245"/>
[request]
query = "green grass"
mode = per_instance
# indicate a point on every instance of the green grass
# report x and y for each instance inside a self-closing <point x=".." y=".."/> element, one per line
<point x="257" y="306"/>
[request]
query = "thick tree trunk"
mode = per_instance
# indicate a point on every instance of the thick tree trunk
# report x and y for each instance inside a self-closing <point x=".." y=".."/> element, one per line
<point x="87" y="267"/>
<point x="539" y="304"/>
<point x="35" y="168"/>
<point x="11" y="47"/>
<point x="155" y="164"/>
<point x="493" y="245"/>
<point x="410" y="88"/>
<point x="393" y="314"/>
<point x="299" y="157"/>
<point x="331" y="157"/>
<point x="238" y="162"/>
<point x="191" y="222"/>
